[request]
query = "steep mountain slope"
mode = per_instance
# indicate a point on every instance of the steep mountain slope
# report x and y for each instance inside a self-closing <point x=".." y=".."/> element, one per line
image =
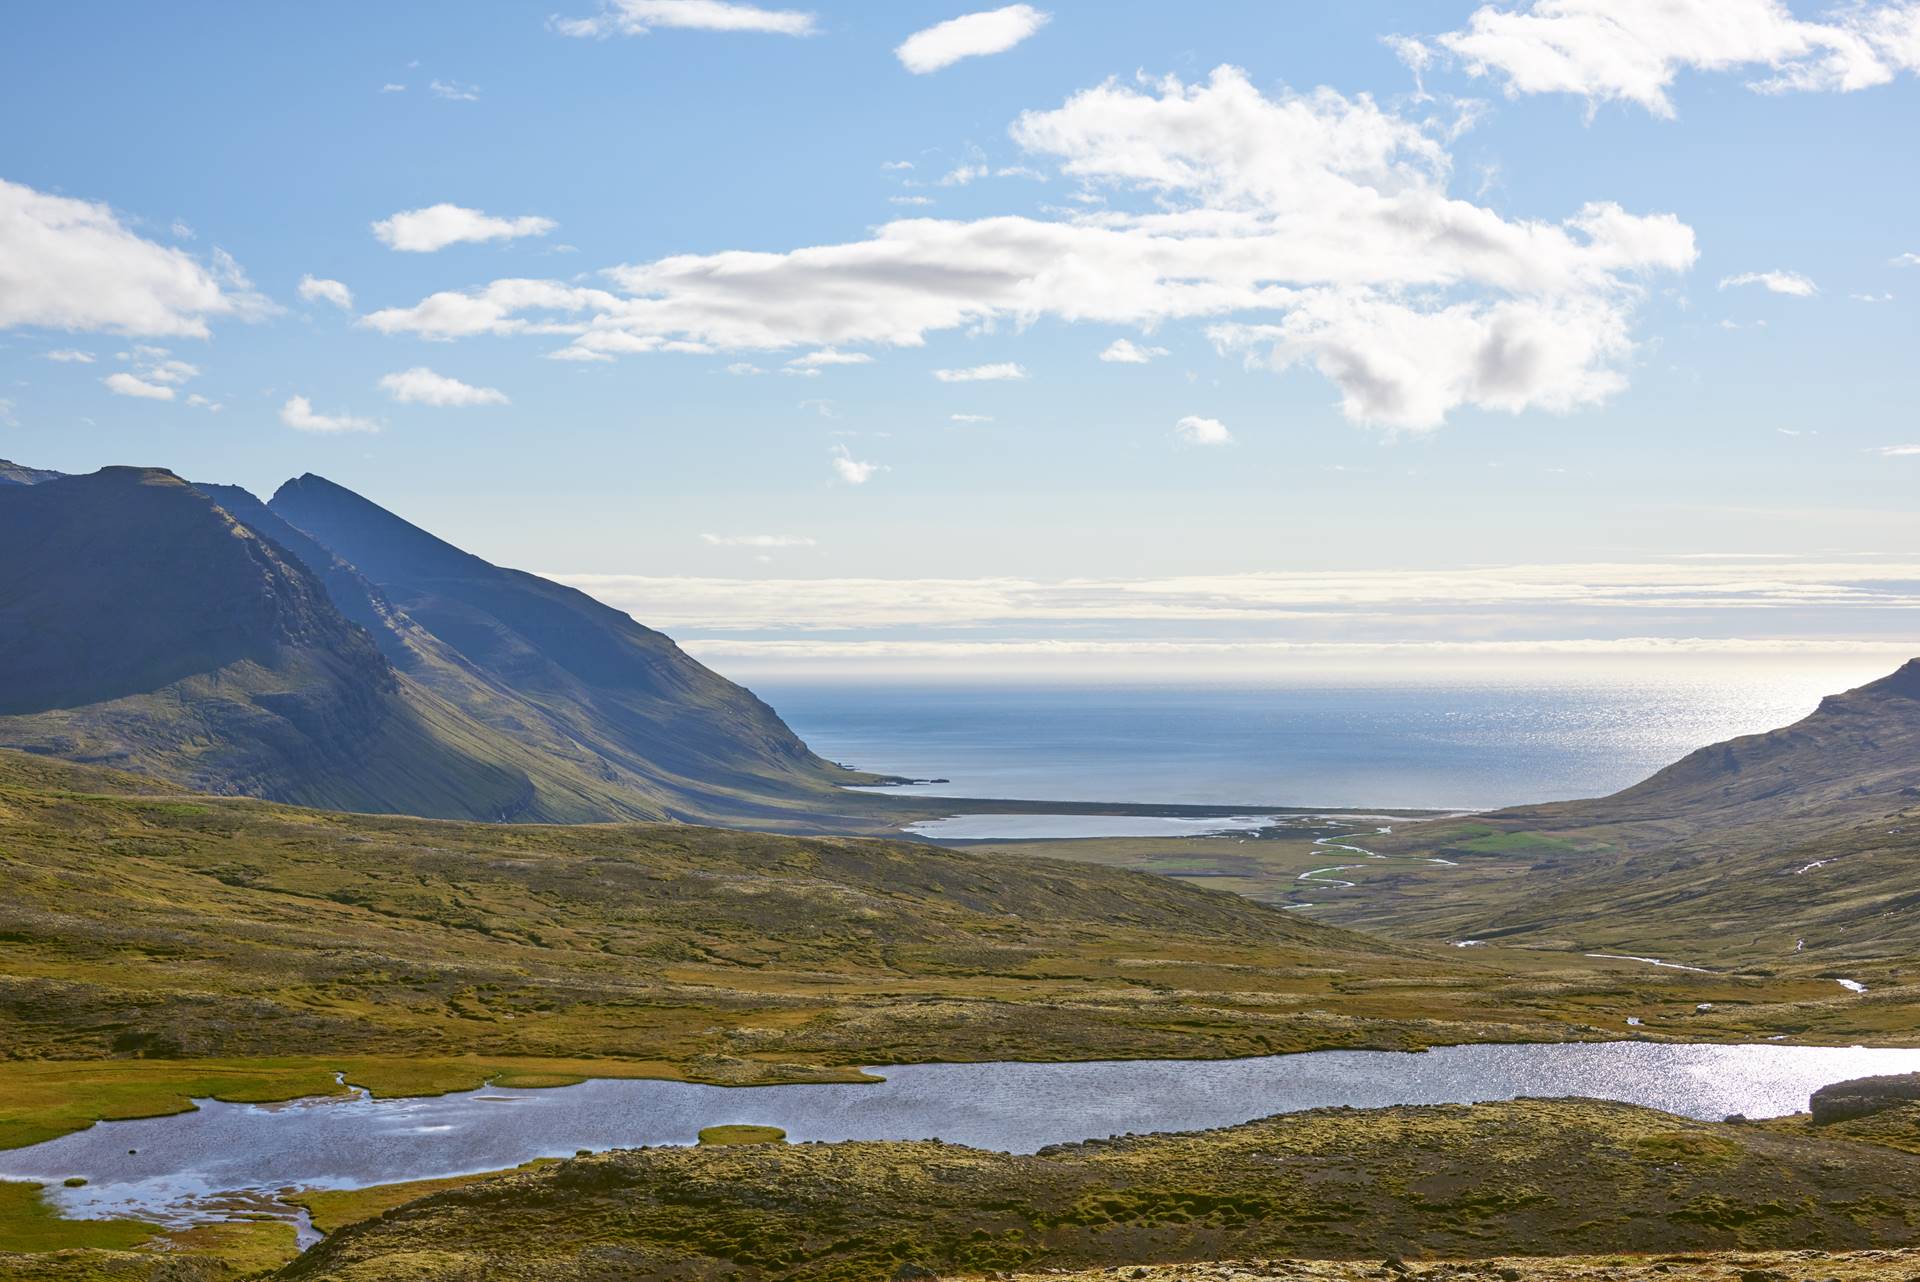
<point x="593" y="678"/>
<point x="142" y="626"/>
<point x="1795" y="848"/>
<point x="194" y="633"/>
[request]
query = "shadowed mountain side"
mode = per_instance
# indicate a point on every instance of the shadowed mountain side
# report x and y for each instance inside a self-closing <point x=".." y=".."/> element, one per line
<point x="143" y="627"/>
<point x="192" y="633"/>
<point x="622" y="694"/>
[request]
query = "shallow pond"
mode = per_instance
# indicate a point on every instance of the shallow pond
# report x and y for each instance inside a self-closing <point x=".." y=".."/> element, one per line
<point x="173" y="1169"/>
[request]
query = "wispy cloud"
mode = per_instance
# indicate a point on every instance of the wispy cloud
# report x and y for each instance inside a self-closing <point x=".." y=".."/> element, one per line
<point x="1898" y="451"/>
<point x="850" y="470"/>
<point x="972" y="35"/>
<point x="999" y="372"/>
<point x="313" y="289"/>
<point x="421" y="386"/>
<point x="1194" y="430"/>
<point x="125" y="384"/>
<point x="757" y="540"/>
<point x="299" y="414"/>
<point x="1711" y="601"/>
<point x="423" y="231"/>
<point x="1606" y="51"/>
<point x="1778" y="282"/>
<point x="454" y="91"/>
<point x="70" y="356"/>
<point x="638" y="17"/>
<point x="1122" y="351"/>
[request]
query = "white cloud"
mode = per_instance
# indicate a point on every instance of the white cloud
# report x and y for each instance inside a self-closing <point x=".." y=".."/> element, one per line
<point x="204" y="403"/>
<point x="1632" y="50"/>
<point x="757" y="540"/>
<point x="969" y="36"/>
<point x="299" y="413"/>
<point x="910" y="200"/>
<point x="391" y="87"/>
<point x="970" y="418"/>
<point x="421" y="386"/>
<point x="70" y="356"/>
<point x="125" y="384"/>
<point x="637" y="17"/>
<point x="315" y="290"/>
<point x="896" y="166"/>
<point x="851" y="470"/>
<point x="422" y="231"/>
<point x="1000" y="372"/>
<point x="454" y="91"/>
<point x="1308" y="230"/>
<point x="1871" y="298"/>
<point x="1194" y="430"/>
<point x="1898" y="451"/>
<point x="1122" y="351"/>
<point x="1777" y="282"/>
<point x="744" y="367"/>
<point x="961" y="175"/>
<point x="70" y="264"/>
<point x="1906" y="260"/>
<point x="813" y="362"/>
<point x="1628" y="595"/>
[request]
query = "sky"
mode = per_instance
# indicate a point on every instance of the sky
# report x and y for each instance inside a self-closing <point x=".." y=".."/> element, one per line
<point x="1075" y="338"/>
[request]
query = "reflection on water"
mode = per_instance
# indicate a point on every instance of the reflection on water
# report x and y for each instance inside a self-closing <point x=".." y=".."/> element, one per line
<point x="174" y="1168"/>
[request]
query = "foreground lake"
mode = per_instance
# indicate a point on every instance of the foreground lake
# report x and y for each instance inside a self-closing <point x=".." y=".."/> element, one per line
<point x="172" y="1169"/>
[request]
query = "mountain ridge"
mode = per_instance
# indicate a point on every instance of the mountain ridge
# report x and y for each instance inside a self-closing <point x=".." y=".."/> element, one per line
<point x="195" y="633"/>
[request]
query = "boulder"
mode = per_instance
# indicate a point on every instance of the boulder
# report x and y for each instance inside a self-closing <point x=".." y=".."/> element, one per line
<point x="1864" y="1096"/>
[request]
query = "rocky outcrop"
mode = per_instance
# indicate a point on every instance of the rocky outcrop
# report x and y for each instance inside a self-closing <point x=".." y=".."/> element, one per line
<point x="1863" y="1097"/>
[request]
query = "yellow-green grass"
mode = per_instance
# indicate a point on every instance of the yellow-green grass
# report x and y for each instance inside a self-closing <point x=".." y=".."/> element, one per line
<point x="334" y="1209"/>
<point x="738" y="1134"/>
<point x="28" y="1223"/>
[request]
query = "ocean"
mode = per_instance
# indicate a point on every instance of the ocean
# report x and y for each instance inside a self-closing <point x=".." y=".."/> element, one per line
<point x="1468" y="745"/>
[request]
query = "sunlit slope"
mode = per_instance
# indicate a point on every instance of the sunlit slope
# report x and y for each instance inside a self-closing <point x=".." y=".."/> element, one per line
<point x="201" y="927"/>
<point x="1795" y="848"/>
<point x="1534" y="1176"/>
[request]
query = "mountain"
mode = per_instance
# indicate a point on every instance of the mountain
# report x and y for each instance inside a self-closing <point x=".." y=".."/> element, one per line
<point x="142" y="626"/>
<point x="19" y="474"/>
<point x="195" y="634"/>
<point x="1799" y="847"/>
<point x="590" y="676"/>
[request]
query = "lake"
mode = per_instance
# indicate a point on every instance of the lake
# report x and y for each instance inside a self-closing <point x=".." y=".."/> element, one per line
<point x="1453" y="745"/>
<point x="169" y="1168"/>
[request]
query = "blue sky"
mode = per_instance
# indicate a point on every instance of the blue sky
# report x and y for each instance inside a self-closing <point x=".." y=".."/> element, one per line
<point x="1399" y="347"/>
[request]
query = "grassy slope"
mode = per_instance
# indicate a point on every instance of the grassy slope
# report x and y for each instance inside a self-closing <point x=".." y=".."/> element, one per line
<point x="1530" y="1177"/>
<point x="1794" y="853"/>
<point x="247" y="950"/>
